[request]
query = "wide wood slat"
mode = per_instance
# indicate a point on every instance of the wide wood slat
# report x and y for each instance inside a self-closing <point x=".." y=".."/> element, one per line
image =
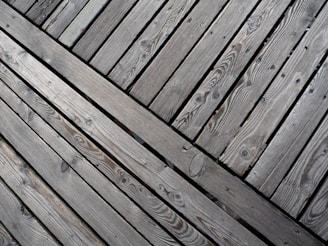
<point x="164" y="64"/>
<point x="149" y="42"/>
<point x="123" y="36"/>
<point x="288" y="142"/>
<point x="176" y="191"/>
<point x="41" y="9"/>
<point x="5" y="238"/>
<point x="133" y="188"/>
<point x="19" y="221"/>
<point x="102" y="27"/>
<point x="21" y="5"/>
<point x="225" y="123"/>
<point x="220" y="79"/>
<point x="230" y="191"/>
<point x="59" y="219"/>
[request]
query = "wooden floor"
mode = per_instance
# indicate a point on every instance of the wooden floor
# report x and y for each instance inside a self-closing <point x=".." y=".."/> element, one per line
<point x="163" y="122"/>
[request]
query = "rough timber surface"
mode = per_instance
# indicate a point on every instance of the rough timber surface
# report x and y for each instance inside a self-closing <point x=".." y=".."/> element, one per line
<point x="130" y="165"/>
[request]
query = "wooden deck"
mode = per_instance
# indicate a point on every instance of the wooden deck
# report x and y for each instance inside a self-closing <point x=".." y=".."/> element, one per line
<point x="163" y="122"/>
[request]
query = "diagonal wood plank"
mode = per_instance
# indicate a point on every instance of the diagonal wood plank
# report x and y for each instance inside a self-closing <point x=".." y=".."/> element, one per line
<point x="21" y="5"/>
<point x="41" y="9"/>
<point x="123" y="36"/>
<point x="59" y="219"/>
<point x="149" y="42"/>
<point x="176" y="191"/>
<point x="225" y="123"/>
<point x="287" y="144"/>
<point x="133" y="188"/>
<point x="17" y="218"/>
<point x="230" y="65"/>
<point x="5" y="238"/>
<point x="230" y="191"/>
<point x="169" y="58"/>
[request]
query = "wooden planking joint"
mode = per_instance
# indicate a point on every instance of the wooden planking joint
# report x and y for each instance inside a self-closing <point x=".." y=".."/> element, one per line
<point x="5" y="238"/>
<point x="41" y="9"/>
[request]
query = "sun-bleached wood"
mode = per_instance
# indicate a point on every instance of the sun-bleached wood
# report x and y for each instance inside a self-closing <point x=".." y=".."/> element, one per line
<point x="41" y="9"/>
<point x="21" y="5"/>
<point x="5" y="238"/>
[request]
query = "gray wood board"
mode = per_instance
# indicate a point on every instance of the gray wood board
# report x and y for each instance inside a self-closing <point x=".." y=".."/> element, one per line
<point x="149" y="42"/>
<point x="215" y="86"/>
<point x="225" y="123"/>
<point x="179" y="193"/>
<point x="230" y="191"/>
<point x="40" y="11"/>
<point x="5" y="238"/>
<point x="21" y="5"/>
<point x="101" y="28"/>
<point x="175" y="50"/>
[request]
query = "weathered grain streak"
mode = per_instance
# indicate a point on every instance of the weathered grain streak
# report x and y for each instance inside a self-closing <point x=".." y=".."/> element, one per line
<point x="149" y="42"/>
<point x="5" y="238"/>
<point x="21" y="5"/>
<point x="217" y="83"/>
<point x="181" y="42"/>
<point x="41" y="10"/>
<point x="224" y="124"/>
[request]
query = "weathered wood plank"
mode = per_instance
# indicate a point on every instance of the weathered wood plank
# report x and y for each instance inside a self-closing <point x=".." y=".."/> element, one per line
<point x="120" y="202"/>
<point x="224" y="124"/>
<point x="250" y="141"/>
<point x="300" y="183"/>
<point x="229" y="190"/>
<point x="81" y="21"/>
<point x="169" y="185"/>
<point x="286" y="145"/>
<point x="41" y="10"/>
<point x="123" y="36"/>
<point x="193" y="68"/>
<point x="220" y="79"/>
<point x="157" y="73"/>
<point x="144" y="48"/>
<point x="21" y="5"/>
<point x="5" y="238"/>
<point x="133" y="188"/>
<point x="62" y="16"/>
<point x="316" y="215"/>
<point x="17" y="218"/>
<point x="102" y="27"/>
<point x="59" y="219"/>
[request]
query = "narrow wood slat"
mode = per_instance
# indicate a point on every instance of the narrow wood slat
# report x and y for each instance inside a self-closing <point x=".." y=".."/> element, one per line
<point x="286" y="145"/>
<point x="133" y="188"/>
<point x="193" y="68"/>
<point x="224" y="124"/>
<point x="21" y="5"/>
<point x="17" y="218"/>
<point x="179" y="193"/>
<point x="123" y="36"/>
<point x="316" y="215"/>
<point x="149" y="42"/>
<point x="245" y="148"/>
<point x="62" y="16"/>
<point x="230" y="65"/>
<point x="5" y="238"/>
<point x="95" y="211"/>
<point x="132" y="213"/>
<point x="164" y="64"/>
<point x="230" y="191"/>
<point x="300" y="183"/>
<point x="41" y="10"/>
<point x="81" y="21"/>
<point x="101" y="28"/>
<point x="59" y="219"/>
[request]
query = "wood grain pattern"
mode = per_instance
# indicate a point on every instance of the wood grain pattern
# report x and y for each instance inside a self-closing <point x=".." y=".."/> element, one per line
<point x="149" y="42"/>
<point x="101" y="28"/>
<point x="286" y="145"/>
<point x="5" y="238"/>
<point x="220" y="79"/>
<point x="224" y="124"/>
<point x="59" y="219"/>
<point x="300" y="183"/>
<point x="193" y="68"/>
<point x="17" y="218"/>
<point x="123" y="36"/>
<point x="81" y="21"/>
<point x="230" y="191"/>
<point x="169" y="185"/>
<point x="245" y="148"/>
<point x="164" y="64"/>
<point x="21" y="5"/>
<point x="162" y="213"/>
<point x="62" y="16"/>
<point x="316" y="215"/>
<point x="41" y="10"/>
